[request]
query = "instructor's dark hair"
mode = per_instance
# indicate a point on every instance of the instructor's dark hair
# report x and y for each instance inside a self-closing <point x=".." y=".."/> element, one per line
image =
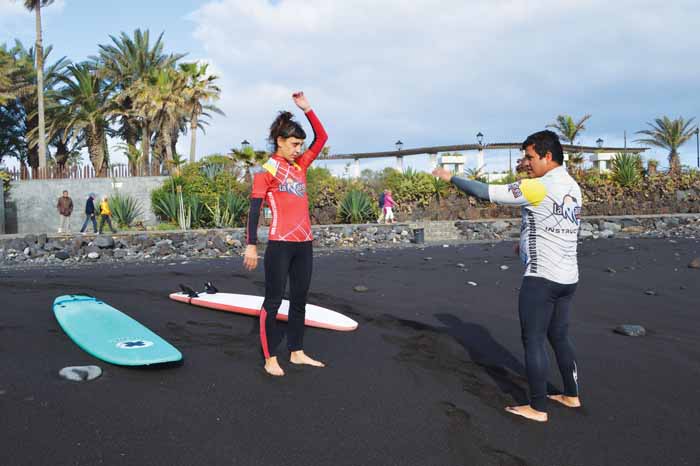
<point x="545" y="141"/>
<point x="285" y="127"/>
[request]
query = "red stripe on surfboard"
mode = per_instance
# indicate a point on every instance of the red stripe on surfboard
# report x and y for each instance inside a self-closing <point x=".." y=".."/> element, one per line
<point x="263" y="333"/>
<point x="254" y="312"/>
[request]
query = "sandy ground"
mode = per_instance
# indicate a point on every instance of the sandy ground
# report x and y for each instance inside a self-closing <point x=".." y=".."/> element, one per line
<point x="423" y="381"/>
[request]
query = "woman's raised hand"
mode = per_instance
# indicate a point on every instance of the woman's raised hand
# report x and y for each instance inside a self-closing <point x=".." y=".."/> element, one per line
<point x="301" y="101"/>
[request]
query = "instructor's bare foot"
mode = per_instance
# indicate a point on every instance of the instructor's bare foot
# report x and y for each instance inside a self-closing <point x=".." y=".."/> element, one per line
<point x="527" y="412"/>
<point x="568" y="401"/>
<point x="272" y="367"/>
<point x="299" y="357"/>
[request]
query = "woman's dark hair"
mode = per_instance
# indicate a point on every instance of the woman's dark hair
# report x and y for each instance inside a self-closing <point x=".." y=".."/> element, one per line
<point x="285" y="127"/>
<point x="545" y="141"/>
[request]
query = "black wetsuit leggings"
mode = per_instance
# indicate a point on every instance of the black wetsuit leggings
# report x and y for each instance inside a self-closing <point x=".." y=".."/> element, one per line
<point x="544" y="308"/>
<point x="282" y="259"/>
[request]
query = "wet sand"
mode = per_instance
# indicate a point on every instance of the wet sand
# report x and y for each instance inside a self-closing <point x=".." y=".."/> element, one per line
<point x="423" y="381"/>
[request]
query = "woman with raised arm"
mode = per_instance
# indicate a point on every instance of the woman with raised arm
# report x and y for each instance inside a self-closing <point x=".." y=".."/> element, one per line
<point x="281" y="182"/>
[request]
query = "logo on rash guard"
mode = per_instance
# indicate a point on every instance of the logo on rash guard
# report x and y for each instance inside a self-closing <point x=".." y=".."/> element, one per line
<point x="514" y="188"/>
<point x="569" y="209"/>
<point x="292" y="186"/>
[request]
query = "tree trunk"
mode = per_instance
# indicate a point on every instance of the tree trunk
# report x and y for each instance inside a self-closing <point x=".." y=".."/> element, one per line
<point x="95" y="146"/>
<point x="193" y="138"/>
<point x="61" y="154"/>
<point x="145" y="146"/>
<point x="674" y="162"/>
<point x="168" y="143"/>
<point x="40" y="87"/>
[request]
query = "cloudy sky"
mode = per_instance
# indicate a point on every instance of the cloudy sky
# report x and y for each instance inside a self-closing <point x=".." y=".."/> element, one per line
<point x="426" y="72"/>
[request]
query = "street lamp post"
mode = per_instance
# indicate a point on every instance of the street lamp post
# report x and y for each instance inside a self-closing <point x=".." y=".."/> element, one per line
<point x="245" y="144"/>
<point x="697" y="142"/>
<point x="599" y="141"/>
<point x="399" y="158"/>
<point x="480" y="155"/>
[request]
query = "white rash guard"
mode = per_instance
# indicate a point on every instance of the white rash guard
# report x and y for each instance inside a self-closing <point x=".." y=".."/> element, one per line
<point x="551" y="210"/>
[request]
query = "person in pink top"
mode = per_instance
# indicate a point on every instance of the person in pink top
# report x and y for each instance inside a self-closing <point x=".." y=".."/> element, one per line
<point x="389" y="205"/>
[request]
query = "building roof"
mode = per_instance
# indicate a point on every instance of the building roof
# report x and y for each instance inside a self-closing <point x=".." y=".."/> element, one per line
<point x="467" y="147"/>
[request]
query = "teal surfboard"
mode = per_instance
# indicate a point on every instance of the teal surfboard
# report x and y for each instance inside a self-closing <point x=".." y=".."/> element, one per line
<point x="109" y="334"/>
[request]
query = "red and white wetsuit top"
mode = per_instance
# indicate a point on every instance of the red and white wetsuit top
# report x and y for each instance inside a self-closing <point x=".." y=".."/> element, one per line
<point x="283" y="186"/>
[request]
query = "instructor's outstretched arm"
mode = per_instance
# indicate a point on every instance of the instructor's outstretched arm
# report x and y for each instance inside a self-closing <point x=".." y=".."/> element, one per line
<point x="471" y="187"/>
<point x="528" y="192"/>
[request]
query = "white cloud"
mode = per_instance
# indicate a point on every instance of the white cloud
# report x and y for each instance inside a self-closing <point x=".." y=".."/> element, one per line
<point x="436" y="72"/>
<point x="18" y="22"/>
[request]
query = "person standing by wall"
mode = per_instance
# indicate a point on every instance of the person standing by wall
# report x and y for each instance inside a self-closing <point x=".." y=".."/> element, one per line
<point x="381" y="207"/>
<point x="90" y="213"/>
<point x="389" y="205"/>
<point x="65" y="209"/>
<point x="105" y="215"/>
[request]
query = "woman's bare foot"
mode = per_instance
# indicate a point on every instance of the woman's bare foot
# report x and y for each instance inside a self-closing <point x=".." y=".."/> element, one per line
<point x="568" y="401"/>
<point x="272" y="367"/>
<point x="299" y="357"/>
<point x="528" y="412"/>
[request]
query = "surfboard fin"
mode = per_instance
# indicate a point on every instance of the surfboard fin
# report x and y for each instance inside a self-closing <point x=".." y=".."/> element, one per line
<point x="209" y="288"/>
<point x="188" y="291"/>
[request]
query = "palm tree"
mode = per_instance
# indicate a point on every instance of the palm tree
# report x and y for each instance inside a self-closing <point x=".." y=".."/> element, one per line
<point x="248" y="157"/>
<point x="669" y="134"/>
<point x="25" y="84"/>
<point x="125" y="62"/>
<point x="87" y="111"/>
<point x="200" y="88"/>
<point x="160" y="98"/>
<point x="567" y="128"/>
<point x="7" y="70"/>
<point x="35" y="6"/>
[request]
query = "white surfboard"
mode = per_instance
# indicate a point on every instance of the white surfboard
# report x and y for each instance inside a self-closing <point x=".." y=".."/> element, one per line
<point x="316" y="316"/>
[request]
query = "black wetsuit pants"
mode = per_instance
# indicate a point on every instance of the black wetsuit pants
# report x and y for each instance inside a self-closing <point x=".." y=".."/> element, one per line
<point x="544" y="308"/>
<point x="285" y="259"/>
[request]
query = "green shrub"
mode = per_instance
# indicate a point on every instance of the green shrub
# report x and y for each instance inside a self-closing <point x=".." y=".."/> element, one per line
<point x="125" y="209"/>
<point x="321" y="187"/>
<point x="5" y="179"/>
<point x="200" y="187"/>
<point x="414" y="187"/>
<point x="356" y="207"/>
<point x="627" y="170"/>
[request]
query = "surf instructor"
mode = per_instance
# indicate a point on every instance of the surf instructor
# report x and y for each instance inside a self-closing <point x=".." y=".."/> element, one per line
<point x="281" y="183"/>
<point x="551" y="207"/>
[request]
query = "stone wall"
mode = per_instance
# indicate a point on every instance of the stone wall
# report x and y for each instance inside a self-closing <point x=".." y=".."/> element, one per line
<point x="31" y="204"/>
<point x="181" y="246"/>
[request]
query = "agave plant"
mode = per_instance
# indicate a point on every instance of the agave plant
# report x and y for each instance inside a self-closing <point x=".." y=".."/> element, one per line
<point x="626" y="169"/>
<point x="220" y="217"/>
<point x="440" y="187"/>
<point x="236" y="206"/>
<point x="166" y="206"/>
<point x="211" y="170"/>
<point x="476" y="174"/>
<point x="196" y="208"/>
<point x="184" y="214"/>
<point x="125" y="209"/>
<point x="356" y="207"/>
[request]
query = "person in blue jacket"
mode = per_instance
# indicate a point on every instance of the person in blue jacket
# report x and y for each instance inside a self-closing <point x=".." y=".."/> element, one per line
<point x="90" y="214"/>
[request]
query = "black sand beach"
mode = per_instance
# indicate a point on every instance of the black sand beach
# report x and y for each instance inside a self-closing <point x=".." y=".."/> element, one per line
<point x="423" y="381"/>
